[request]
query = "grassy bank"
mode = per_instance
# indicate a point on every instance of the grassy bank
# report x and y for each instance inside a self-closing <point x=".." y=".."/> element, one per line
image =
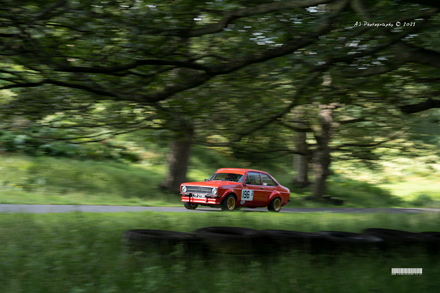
<point x="81" y="252"/>
<point x="38" y="180"/>
<point x="48" y="180"/>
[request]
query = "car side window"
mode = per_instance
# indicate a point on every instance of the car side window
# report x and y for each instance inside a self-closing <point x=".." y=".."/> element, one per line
<point x="253" y="178"/>
<point x="267" y="180"/>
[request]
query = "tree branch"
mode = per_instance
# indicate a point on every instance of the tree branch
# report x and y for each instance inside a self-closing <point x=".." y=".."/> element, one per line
<point x="229" y="16"/>
<point x="369" y="145"/>
<point x="135" y="64"/>
<point x="360" y="8"/>
<point x="294" y="128"/>
<point x="281" y="113"/>
<point x="419" y="107"/>
<point x="352" y="121"/>
<point x="46" y="11"/>
<point x="433" y="3"/>
<point x="421" y="55"/>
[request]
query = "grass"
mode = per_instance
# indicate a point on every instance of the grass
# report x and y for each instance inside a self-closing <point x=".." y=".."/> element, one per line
<point x="82" y="252"/>
<point x="410" y="182"/>
<point x="44" y="180"/>
<point x="47" y="180"/>
<point x="418" y="191"/>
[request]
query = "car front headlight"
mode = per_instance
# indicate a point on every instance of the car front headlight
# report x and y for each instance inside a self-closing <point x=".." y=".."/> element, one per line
<point x="183" y="188"/>
<point x="214" y="190"/>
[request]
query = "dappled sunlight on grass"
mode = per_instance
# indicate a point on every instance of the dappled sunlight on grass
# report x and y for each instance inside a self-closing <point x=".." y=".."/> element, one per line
<point x="46" y="180"/>
<point x="419" y="192"/>
<point x="414" y="186"/>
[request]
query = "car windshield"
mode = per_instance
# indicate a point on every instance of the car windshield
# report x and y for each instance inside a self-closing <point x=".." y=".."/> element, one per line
<point x="227" y="177"/>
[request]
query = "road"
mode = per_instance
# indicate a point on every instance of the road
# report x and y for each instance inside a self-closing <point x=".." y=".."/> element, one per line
<point x="41" y="209"/>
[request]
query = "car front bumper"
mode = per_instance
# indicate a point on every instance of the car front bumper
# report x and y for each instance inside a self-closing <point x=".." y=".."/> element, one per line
<point x="208" y="199"/>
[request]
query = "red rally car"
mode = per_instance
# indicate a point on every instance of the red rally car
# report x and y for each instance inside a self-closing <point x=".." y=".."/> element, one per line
<point x="231" y="188"/>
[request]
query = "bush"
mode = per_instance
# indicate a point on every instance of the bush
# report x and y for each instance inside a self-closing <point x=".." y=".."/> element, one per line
<point x="361" y="193"/>
<point x="422" y="200"/>
<point x="25" y="142"/>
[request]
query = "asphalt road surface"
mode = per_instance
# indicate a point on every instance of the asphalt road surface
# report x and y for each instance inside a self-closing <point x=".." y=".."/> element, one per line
<point x="41" y="209"/>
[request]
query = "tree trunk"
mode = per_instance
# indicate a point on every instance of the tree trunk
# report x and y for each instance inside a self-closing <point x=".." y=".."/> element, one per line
<point x="321" y="166"/>
<point x="322" y="154"/>
<point x="301" y="162"/>
<point x="178" y="159"/>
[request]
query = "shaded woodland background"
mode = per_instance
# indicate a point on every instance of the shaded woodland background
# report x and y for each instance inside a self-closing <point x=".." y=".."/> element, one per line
<point x="313" y="82"/>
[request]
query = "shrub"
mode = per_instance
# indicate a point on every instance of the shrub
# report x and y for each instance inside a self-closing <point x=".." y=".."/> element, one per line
<point x="25" y="142"/>
<point x="422" y="200"/>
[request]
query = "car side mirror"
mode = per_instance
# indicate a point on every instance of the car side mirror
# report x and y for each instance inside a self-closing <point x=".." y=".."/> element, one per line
<point x="247" y="182"/>
<point x="206" y="180"/>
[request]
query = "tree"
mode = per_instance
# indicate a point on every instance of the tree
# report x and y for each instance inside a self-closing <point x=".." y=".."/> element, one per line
<point x="301" y="160"/>
<point x="151" y="53"/>
<point x="129" y="65"/>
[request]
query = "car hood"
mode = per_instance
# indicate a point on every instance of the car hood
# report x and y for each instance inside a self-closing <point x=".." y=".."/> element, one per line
<point x="212" y="183"/>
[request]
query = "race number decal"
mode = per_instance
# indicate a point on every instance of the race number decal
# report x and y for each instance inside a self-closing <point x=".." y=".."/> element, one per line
<point x="247" y="194"/>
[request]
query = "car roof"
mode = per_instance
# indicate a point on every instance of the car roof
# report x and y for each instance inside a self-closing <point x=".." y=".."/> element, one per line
<point x="237" y="170"/>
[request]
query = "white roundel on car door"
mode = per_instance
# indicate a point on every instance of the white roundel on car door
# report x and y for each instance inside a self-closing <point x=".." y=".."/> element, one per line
<point x="247" y="195"/>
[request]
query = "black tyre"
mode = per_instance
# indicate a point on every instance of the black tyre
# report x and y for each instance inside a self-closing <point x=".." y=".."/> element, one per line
<point x="229" y="203"/>
<point x="431" y="236"/>
<point x="159" y="241"/>
<point x="231" y="240"/>
<point x="432" y="242"/>
<point x="284" y="241"/>
<point x="397" y="240"/>
<point x="351" y="242"/>
<point x="275" y="205"/>
<point x="190" y="206"/>
<point x="392" y="235"/>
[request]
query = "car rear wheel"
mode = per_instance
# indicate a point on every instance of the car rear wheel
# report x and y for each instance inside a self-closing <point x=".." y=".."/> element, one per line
<point x="229" y="203"/>
<point x="190" y="206"/>
<point x="275" y="205"/>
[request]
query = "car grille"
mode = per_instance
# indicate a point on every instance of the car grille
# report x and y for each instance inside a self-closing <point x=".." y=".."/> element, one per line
<point x="198" y="189"/>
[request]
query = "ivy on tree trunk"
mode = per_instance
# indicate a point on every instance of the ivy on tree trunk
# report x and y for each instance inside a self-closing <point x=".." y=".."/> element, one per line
<point x="301" y="161"/>
<point x="322" y="157"/>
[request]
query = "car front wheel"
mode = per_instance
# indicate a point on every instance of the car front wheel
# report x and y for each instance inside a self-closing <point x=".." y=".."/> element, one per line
<point x="229" y="203"/>
<point x="190" y="206"/>
<point x="275" y="205"/>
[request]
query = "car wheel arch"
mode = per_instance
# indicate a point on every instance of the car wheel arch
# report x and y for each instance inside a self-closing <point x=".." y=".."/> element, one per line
<point x="274" y="195"/>
<point x="226" y="194"/>
<point x="275" y="204"/>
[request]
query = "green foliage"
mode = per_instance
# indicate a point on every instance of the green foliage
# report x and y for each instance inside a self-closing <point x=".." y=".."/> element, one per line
<point x="363" y="194"/>
<point x="355" y="193"/>
<point x="423" y="200"/>
<point x="166" y="70"/>
<point x="32" y="142"/>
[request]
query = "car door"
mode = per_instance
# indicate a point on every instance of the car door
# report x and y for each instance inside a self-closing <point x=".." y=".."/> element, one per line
<point x="253" y="192"/>
<point x="269" y="186"/>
